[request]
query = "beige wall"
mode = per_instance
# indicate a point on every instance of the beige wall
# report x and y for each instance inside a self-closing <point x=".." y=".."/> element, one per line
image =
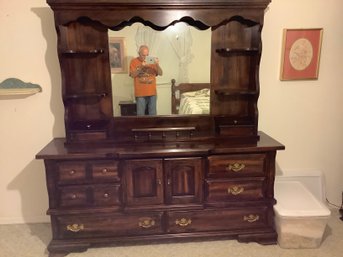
<point x="306" y="116"/>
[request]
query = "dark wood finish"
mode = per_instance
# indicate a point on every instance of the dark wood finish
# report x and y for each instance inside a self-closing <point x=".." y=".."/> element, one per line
<point x="144" y="182"/>
<point x="159" y="192"/>
<point x="86" y="81"/>
<point x="137" y="179"/>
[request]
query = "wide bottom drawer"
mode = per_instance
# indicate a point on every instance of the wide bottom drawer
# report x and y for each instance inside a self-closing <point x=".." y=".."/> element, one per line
<point x="218" y="220"/>
<point x="100" y="225"/>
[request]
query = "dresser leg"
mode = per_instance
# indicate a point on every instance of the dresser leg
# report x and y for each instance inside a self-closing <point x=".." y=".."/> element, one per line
<point x="60" y="248"/>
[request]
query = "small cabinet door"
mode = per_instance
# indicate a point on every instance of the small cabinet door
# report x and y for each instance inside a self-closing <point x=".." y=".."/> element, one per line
<point x="183" y="180"/>
<point x="144" y="182"/>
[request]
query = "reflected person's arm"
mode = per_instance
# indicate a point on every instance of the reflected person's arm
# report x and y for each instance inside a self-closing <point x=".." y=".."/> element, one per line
<point x="159" y="71"/>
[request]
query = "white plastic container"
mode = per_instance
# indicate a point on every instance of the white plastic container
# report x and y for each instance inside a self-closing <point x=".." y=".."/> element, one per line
<point x="299" y="217"/>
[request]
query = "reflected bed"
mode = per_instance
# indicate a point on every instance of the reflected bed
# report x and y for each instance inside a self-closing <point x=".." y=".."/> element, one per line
<point x="190" y="98"/>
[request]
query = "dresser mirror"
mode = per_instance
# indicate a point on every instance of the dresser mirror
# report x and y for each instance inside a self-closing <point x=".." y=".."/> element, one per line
<point x="181" y="57"/>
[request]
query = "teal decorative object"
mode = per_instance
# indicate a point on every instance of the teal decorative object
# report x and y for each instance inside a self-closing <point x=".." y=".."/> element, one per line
<point x="13" y="86"/>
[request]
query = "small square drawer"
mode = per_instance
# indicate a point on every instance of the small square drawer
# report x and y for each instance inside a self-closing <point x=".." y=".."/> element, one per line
<point x="235" y="189"/>
<point x="217" y="220"/>
<point x="236" y="165"/>
<point x="71" y="172"/>
<point x="105" y="171"/>
<point x="100" y="225"/>
<point x="74" y="196"/>
<point x="106" y="195"/>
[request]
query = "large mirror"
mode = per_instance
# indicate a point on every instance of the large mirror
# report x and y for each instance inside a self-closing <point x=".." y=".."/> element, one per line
<point x="184" y="54"/>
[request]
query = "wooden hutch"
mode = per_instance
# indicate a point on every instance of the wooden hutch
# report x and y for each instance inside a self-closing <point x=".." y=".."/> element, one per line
<point x="129" y="179"/>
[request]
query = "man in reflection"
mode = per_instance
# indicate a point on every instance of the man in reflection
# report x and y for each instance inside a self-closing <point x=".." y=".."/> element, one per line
<point x="144" y="72"/>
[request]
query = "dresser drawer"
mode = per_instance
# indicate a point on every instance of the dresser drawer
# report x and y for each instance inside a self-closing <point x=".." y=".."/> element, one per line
<point x="106" y="195"/>
<point x="74" y="196"/>
<point x="96" y="195"/>
<point x="236" y="165"/>
<point x="100" y="225"/>
<point x="235" y="189"/>
<point x="105" y="171"/>
<point x="217" y="220"/>
<point x="71" y="172"/>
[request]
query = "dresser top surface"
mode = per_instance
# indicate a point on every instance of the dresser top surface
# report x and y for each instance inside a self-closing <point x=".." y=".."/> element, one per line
<point x="57" y="149"/>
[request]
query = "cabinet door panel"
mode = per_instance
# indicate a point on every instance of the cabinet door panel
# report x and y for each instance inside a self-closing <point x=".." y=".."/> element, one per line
<point x="144" y="182"/>
<point x="183" y="180"/>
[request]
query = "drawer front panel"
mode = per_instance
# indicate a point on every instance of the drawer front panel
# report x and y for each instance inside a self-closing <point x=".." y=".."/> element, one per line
<point x="81" y="196"/>
<point x="233" y="190"/>
<point x="100" y="225"/>
<point x="71" y="172"/>
<point x="74" y="196"/>
<point x="218" y="220"/>
<point x="106" y="195"/>
<point x="105" y="171"/>
<point x="236" y="165"/>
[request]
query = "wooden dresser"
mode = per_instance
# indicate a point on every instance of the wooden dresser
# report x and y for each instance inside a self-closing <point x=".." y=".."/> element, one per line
<point x="119" y="180"/>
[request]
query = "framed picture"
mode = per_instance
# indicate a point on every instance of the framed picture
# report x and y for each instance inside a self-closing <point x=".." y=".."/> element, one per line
<point x="117" y="55"/>
<point x="300" y="54"/>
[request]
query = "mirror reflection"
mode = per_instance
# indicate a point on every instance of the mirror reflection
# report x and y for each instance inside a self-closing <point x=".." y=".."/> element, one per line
<point x="183" y="54"/>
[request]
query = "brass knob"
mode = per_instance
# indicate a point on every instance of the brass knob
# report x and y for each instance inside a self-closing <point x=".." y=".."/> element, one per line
<point x="236" y="167"/>
<point x="235" y="190"/>
<point x="104" y="171"/>
<point x="251" y="218"/>
<point x="106" y="195"/>
<point x="75" y="227"/>
<point x="73" y="196"/>
<point x="183" y="222"/>
<point x="146" y="222"/>
<point x="72" y="172"/>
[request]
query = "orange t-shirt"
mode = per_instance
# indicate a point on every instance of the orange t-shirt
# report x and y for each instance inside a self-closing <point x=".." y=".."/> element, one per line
<point x="145" y="84"/>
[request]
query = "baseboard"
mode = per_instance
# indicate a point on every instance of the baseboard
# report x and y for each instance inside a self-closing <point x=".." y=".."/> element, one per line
<point x="22" y="220"/>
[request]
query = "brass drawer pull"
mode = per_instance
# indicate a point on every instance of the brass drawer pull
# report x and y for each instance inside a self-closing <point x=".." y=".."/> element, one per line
<point x="236" y="167"/>
<point x="104" y="171"/>
<point x="183" y="222"/>
<point x="235" y="190"/>
<point x="251" y="218"/>
<point x="75" y="227"/>
<point x="72" y="172"/>
<point x="146" y="222"/>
